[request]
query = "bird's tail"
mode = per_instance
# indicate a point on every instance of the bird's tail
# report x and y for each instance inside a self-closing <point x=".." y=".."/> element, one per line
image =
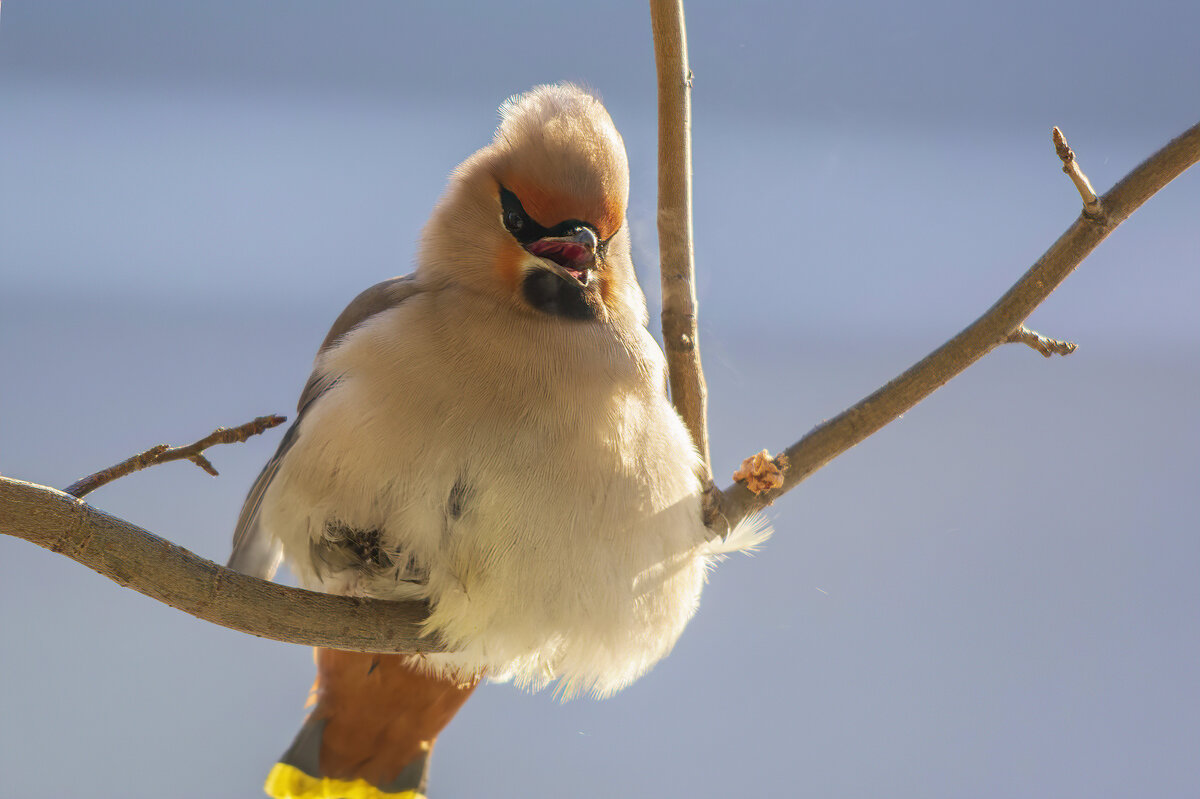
<point x="371" y="732"/>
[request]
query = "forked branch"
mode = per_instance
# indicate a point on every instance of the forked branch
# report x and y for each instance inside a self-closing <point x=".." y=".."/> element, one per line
<point x="165" y="453"/>
<point x="993" y="328"/>
<point x="136" y="559"/>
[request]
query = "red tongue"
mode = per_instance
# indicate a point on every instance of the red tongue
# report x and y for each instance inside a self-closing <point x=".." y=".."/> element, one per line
<point x="563" y="253"/>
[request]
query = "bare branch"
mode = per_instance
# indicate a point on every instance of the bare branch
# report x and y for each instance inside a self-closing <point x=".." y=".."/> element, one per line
<point x="677" y="267"/>
<point x="1092" y="207"/>
<point x="164" y="453"/>
<point x="835" y="436"/>
<point x="1046" y="346"/>
<point x="136" y="559"/>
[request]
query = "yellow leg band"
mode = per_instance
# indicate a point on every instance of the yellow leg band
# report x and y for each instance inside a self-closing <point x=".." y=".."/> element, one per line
<point x="289" y="782"/>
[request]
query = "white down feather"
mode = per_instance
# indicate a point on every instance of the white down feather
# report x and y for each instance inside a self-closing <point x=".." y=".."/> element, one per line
<point x="580" y="552"/>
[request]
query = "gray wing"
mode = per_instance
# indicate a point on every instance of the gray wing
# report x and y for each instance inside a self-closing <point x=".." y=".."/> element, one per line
<point x="256" y="552"/>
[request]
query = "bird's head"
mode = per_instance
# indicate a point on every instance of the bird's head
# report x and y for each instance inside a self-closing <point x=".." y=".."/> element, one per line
<point x="538" y="216"/>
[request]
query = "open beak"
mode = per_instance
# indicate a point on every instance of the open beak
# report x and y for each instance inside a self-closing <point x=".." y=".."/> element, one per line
<point x="574" y="254"/>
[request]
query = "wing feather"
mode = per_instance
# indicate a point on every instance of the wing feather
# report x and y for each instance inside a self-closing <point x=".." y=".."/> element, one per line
<point x="255" y="551"/>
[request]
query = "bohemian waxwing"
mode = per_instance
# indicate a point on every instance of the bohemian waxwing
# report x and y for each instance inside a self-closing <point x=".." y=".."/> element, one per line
<point x="492" y="434"/>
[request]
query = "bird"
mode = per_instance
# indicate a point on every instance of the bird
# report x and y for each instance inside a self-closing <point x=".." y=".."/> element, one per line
<point x="492" y="434"/>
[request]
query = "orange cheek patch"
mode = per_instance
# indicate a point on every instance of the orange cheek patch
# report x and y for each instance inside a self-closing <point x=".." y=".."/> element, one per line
<point x="508" y="265"/>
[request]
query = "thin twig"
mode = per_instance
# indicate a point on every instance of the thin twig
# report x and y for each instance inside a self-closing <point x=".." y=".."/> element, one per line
<point x="136" y="559"/>
<point x="688" y="391"/>
<point x="835" y="436"/>
<point x="164" y="453"/>
<point x="1045" y="345"/>
<point x="1092" y="207"/>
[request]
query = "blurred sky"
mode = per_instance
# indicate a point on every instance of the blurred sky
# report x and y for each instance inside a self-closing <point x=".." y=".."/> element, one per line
<point x="994" y="597"/>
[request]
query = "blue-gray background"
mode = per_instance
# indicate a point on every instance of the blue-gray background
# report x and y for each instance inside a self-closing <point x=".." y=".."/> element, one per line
<point x="997" y="596"/>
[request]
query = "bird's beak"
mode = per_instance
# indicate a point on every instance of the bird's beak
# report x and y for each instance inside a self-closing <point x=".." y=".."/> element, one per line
<point x="574" y="254"/>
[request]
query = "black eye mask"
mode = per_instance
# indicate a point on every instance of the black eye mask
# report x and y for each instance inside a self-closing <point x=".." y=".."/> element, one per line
<point x="526" y="230"/>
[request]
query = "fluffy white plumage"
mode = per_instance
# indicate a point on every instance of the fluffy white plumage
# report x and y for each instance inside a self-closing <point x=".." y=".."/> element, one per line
<point x="523" y="471"/>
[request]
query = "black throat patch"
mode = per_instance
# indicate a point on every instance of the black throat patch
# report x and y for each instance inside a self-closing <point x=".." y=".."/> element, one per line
<point x="558" y="296"/>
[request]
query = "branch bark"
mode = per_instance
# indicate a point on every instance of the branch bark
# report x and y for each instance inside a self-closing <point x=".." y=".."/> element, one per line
<point x="993" y="328"/>
<point x="676" y="261"/>
<point x="134" y="558"/>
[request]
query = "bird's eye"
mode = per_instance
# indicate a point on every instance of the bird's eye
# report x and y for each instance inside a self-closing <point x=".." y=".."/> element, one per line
<point x="513" y="215"/>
